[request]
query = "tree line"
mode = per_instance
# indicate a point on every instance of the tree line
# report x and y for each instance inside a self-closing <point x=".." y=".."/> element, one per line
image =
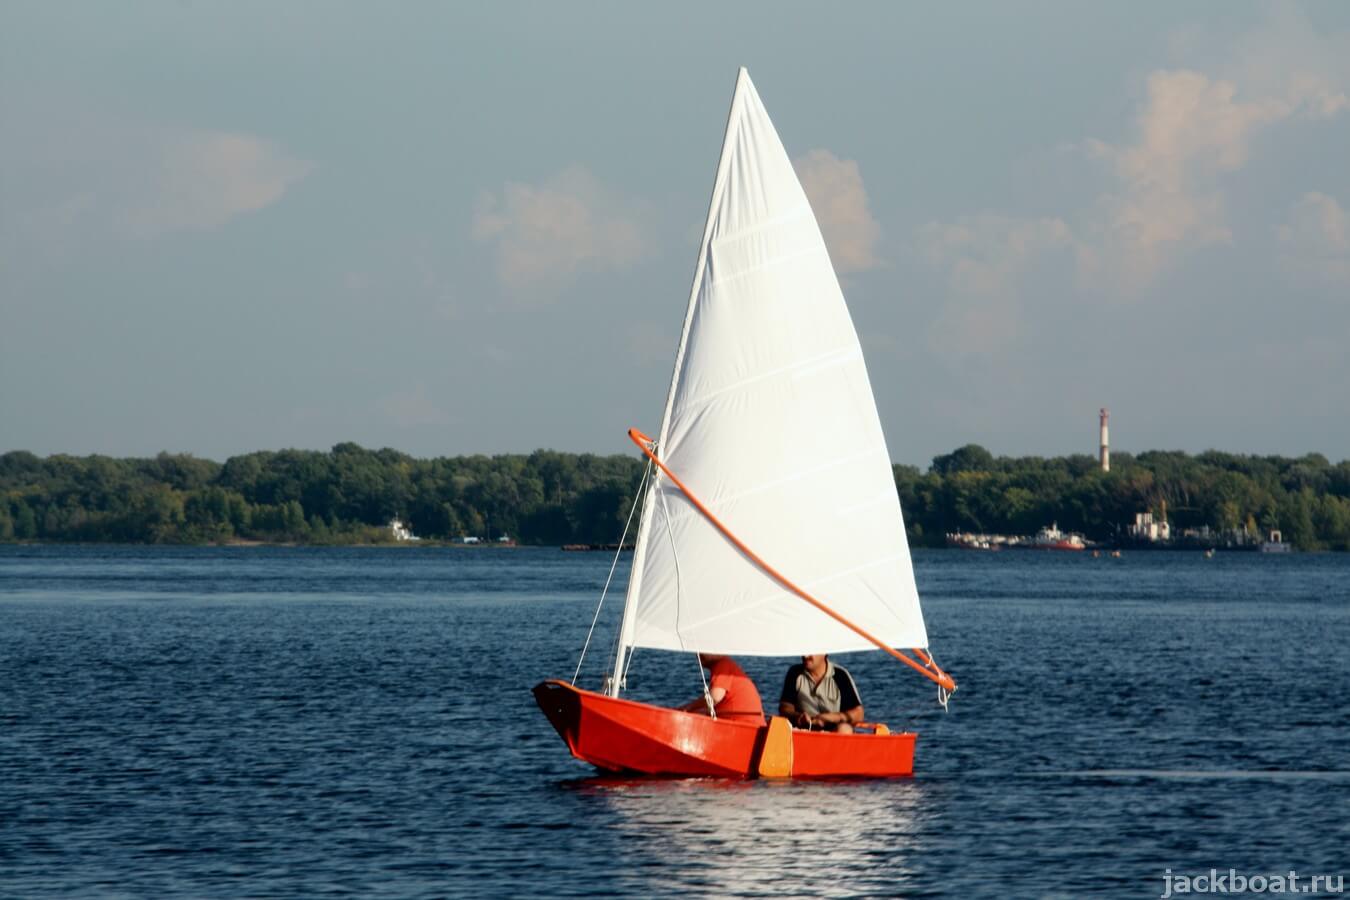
<point x="349" y="494"/>
<point x="1306" y="498"/>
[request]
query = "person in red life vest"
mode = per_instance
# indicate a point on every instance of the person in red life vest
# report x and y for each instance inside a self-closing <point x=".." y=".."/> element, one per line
<point x="734" y="695"/>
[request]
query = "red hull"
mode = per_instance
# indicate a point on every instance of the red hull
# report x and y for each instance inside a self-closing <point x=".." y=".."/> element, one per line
<point x="626" y="736"/>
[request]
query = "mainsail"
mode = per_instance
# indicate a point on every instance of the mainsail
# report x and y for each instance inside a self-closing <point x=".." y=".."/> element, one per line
<point x="771" y="421"/>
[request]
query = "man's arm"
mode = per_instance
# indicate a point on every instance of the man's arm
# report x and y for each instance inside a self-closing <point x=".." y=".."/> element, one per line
<point x="851" y="716"/>
<point x="849" y="701"/>
<point x="787" y="700"/>
<point x="698" y="704"/>
<point x="796" y="716"/>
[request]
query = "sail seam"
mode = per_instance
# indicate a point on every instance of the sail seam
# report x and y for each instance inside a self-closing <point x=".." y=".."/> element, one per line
<point x="637" y="499"/>
<point x="759" y="267"/>
<point x="797" y="212"/>
<point x="780" y="593"/>
<point x="839" y="356"/>
<point x="687" y="512"/>
<point x="876" y="499"/>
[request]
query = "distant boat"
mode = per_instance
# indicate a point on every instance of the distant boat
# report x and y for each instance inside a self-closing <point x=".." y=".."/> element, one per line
<point x="1053" y="539"/>
<point x="1276" y="544"/>
<point x="770" y="472"/>
<point x="964" y="541"/>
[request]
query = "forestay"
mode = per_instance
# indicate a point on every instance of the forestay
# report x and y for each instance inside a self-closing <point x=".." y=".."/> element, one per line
<point x="771" y="421"/>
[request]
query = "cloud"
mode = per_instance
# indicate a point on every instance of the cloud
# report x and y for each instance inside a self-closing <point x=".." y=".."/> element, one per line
<point x="1164" y="188"/>
<point x="76" y="173"/>
<point x="203" y="179"/>
<point x="986" y="252"/>
<point x="1288" y="53"/>
<point x="1190" y="132"/>
<point x="986" y="258"/>
<point x="1316" y="239"/>
<point x="545" y="235"/>
<point x="412" y="407"/>
<point x="835" y="188"/>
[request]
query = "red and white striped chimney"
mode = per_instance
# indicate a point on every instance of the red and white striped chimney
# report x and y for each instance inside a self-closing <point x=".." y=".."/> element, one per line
<point x="1106" y="443"/>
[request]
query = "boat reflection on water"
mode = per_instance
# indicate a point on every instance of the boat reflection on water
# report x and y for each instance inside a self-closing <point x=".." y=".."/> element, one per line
<point x="835" y="837"/>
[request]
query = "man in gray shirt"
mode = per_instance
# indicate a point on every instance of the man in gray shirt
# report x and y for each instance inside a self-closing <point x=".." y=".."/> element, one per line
<point x="819" y="694"/>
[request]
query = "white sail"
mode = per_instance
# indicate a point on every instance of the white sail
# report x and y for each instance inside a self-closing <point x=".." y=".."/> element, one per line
<point x="771" y="422"/>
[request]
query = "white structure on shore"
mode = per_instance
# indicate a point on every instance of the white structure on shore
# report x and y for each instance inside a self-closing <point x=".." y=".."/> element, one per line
<point x="401" y="532"/>
<point x="1145" y="529"/>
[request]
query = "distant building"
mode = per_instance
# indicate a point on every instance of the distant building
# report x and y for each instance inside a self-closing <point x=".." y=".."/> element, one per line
<point x="1146" y="529"/>
<point x="401" y="532"/>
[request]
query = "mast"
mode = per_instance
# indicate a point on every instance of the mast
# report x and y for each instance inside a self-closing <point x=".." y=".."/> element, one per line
<point x="653" y="489"/>
<point x="616" y="676"/>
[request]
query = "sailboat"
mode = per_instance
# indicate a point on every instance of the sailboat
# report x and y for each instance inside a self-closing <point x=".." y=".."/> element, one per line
<point x="770" y="522"/>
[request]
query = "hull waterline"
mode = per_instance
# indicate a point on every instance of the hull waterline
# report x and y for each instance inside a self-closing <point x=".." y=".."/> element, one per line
<point x="619" y="735"/>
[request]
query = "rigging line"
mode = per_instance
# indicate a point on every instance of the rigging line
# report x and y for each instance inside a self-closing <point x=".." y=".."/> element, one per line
<point x="675" y="556"/>
<point x="931" y="671"/>
<point x="707" y="694"/>
<point x="622" y="665"/>
<point x="943" y="694"/>
<point x="612" y="566"/>
<point x="638" y="499"/>
<point x="698" y="657"/>
<point x="627" y="663"/>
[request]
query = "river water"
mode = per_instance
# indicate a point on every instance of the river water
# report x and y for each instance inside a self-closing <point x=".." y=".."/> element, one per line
<point x="312" y="722"/>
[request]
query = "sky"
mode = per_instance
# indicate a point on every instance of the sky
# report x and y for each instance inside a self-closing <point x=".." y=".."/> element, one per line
<point x="455" y="228"/>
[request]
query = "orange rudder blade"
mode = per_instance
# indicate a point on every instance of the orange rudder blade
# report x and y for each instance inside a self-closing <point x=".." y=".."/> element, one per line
<point x="775" y="760"/>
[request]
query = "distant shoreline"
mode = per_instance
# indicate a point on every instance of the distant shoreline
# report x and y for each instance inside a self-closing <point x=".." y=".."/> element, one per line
<point x="1123" y="551"/>
<point x="352" y="496"/>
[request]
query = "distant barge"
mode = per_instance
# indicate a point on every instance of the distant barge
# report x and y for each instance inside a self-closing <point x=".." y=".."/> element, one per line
<point x="1046" y="539"/>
